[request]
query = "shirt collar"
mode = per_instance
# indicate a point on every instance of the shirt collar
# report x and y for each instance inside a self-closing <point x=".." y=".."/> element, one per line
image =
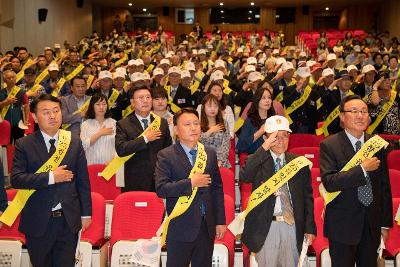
<point x="275" y="156"/>
<point x="140" y="118"/>
<point x="47" y="137"/>
<point x="353" y="139"/>
<point x="187" y="149"/>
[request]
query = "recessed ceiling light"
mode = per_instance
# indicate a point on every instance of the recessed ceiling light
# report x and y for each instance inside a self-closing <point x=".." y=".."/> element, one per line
<point x="221" y="4"/>
<point x="250" y="11"/>
<point x="222" y="11"/>
<point x="144" y="9"/>
<point x="326" y="8"/>
<point x="130" y="4"/>
<point x="252" y="3"/>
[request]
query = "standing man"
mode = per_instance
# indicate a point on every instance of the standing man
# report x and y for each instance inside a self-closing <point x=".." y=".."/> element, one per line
<point x="190" y="236"/>
<point x="134" y="136"/>
<point x="61" y="204"/>
<point x="275" y="229"/>
<point x="73" y="109"/>
<point x="357" y="218"/>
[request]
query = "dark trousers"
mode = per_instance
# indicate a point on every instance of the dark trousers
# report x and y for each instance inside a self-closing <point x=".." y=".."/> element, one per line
<point x="56" y="248"/>
<point x="16" y="133"/>
<point x="199" y="252"/>
<point x="364" y="254"/>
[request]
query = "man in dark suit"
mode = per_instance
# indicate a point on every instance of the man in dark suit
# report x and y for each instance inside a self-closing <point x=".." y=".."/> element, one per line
<point x="3" y="194"/>
<point x="61" y="204"/>
<point x="362" y="212"/>
<point x="139" y="169"/>
<point x="276" y="228"/>
<point x="190" y="236"/>
<point x="180" y="95"/>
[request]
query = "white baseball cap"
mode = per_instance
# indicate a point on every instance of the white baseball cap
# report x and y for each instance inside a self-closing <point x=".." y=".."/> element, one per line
<point x="190" y="66"/>
<point x="287" y="66"/>
<point x="357" y="48"/>
<point x="202" y="52"/>
<point x="165" y="61"/>
<point x="138" y="62"/>
<point x="169" y="54"/>
<point x="368" y="68"/>
<point x="249" y="68"/>
<point x="310" y="63"/>
<point x="118" y="74"/>
<point x="131" y="62"/>
<point x="121" y="69"/>
<point x="280" y="61"/>
<point x="53" y="66"/>
<point x="327" y="72"/>
<point x="105" y="74"/>
<point x="351" y="67"/>
<point x="240" y="50"/>
<point x="302" y="54"/>
<point x="57" y="45"/>
<point x="146" y="76"/>
<point x="136" y="76"/>
<point x="251" y="61"/>
<point x="194" y="51"/>
<point x="174" y="69"/>
<point x="185" y="73"/>
<point x="275" y="52"/>
<point x="331" y="56"/>
<point x="304" y="72"/>
<point x="217" y="75"/>
<point x="219" y="63"/>
<point x="158" y="71"/>
<point x="254" y="76"/>
<point x="276" y="123"/>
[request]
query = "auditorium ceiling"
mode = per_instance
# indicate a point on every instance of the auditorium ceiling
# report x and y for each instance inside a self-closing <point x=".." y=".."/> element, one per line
<point x="227" y="3"/>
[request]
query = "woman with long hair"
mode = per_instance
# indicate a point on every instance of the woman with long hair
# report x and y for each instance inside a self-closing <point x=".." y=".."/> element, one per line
<point x="214" y="131"/>
<point x="251" y="135"/>
<point x="98" y="131"/>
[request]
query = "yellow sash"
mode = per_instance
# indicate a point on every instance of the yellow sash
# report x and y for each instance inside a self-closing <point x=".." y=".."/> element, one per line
<point x="238" y="124"/>
<point x="319" y="103"/>
<point x="199" y="75"/>
<point x="79" y="110"/>
<point x="57" y="90"/>
<point x="22" y="196"/>
<point x="150" y="68"/>
<point x="13" y="93"/>
<point x="184" y="202"/>
<point x="89" y="81"/>
<point x="385" y="109"/>
<point x="121" y="60"/>
<point x="75" y="72"/>
<point x="41" y="76"/>
<point x="27" y="64"/>
<point x="35" y="87"/>
<point x="298" y="103"/>
<point x="279" y="97"/>
<point x="194" y="86"/>
<point x="21" y="73"/>
<point x="269" y="187"/>
<point x="127" y="111"/>
<point x="118" y="162"/>
<point x="226" y="83"/>
<point x="113" y="97"/>
<point x="368" y="150"/>
<point x="227" y="90"/>
<point x="173" y="106"/>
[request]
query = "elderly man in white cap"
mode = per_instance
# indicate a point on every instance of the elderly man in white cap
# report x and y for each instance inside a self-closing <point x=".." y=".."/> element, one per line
<point x="364" y="82"/>
<point x="284" y="77"/>
<point x="180" y="95"/>
<point x="275" y="229"/>
<point x="245" y="95"/>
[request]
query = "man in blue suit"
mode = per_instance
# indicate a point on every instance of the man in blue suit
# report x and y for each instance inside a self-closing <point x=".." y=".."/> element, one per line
<point x="61" y="203"/>
<point x="190" y="237"/>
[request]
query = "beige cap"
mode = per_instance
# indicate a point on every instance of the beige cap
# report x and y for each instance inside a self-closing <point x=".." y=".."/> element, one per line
<point x="219" y="63"/>
<point x="217" y="75"/>
<point x="190" y="66"/>
<point x="351" y="67"/>
<point x="165" y="61"/>
<point x="158" y="71"/>
<point x="174" y="70"/>
<point x="303" y="72"/>
<point x="254" y="76"/>
<point x="276" y="123"/>
<point x="368" y="68"/>
<point x="330" y="57"/>
<point x="249" y="68"/>
<point x="251" y="61"/>
<point x="185" y="73"/>
<point x="287" y="66"/>
<point x="105" y="74"/>
<point x="136" y="76"/>
<point x="326" y="72"/>
<point x="53" y="66"/>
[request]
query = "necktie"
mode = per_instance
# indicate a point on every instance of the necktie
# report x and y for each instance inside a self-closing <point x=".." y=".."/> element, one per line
<point x="364" y="192"/>
<point x="52" y="146"/>
<point x="193" y="154"/>
<point x="145" y="123"/>
<point x="287" y="209"/>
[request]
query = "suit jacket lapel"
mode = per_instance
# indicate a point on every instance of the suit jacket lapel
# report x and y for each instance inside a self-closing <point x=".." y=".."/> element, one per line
<point x="347" y="146"/>
<point x="40" y="145"/>
<point x="180" y="153"/>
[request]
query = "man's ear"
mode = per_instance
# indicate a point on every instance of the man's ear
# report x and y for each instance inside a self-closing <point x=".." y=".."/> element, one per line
<point x="34" y="117"/>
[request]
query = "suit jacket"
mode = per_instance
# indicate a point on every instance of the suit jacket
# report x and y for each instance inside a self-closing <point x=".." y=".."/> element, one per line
<point x="171" y="175"/>
<point x="259" y="168"/>
<point x="139" y="169"/>
<point x="68" y="107"/>
<point x="183" y="98"/>
<point x="344" y="216"/>
<point x="330" y="100"/>
<point x="3" y="194"/>
<point x="75" y="195"/>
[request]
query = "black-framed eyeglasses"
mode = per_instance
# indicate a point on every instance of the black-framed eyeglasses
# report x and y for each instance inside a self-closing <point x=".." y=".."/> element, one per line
<point x="355" y="112"/>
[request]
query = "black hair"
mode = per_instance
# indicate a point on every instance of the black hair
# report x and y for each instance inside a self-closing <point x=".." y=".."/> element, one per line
<point x="223" y="99"/>
<point x="347" y="99"/>
<point x="182" y="111"/>
<point x="41" y="98"/>
<point x="77" y="77"/>
<point x="159" y="92"/>
<point x="90" y="114"/>
<point x="253" y="111"/>
<point x="132" y="91"/>
<point x="22" y="48"/>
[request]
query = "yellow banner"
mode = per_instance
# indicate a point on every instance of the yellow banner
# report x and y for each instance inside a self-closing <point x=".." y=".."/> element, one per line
<point x="194" y="86"/>
<point x="118" y="162"/>
<point x="238" y="124"/>
<point x="120" y="61"/>
<point x="385" y="109"/>
<point x="184" y="202"/>
<point x="199" y="75"/>
<point x="79" y="110"/>
<point x="297" y="103"/>
<point x="368" y="150"/>
<point x="57" y="90"/>
<point x="75" y="72"/>
<point x="174" y="107"/>
<point x="279" y="97"/>
<point x="13" y="93"/>
<point x="41" y="76"/>
<point x="113" y="97"/>
<point x="269" y="187"/>
<point x="22" y="196"/>
<point x="89" y="81"/>
<point x="127" y="111"/>
<point x="150" y="68"/>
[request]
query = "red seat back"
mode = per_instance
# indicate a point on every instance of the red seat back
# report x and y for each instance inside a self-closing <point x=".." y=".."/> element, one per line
<point x="320" y="243"/>
<point x="311" y="153"/>
<point x="393" y="242"/>
<point x="315" y="181"/>
<point x="5" y="130"/>
<point x="136" y="215"/>
<point x="95" y="233"/>
<point x="304" y="140"/>
<point x="12" y="232"/>
<point x="228" y="182"/>
<point x="393" y="160"/>
<point x="98" y="184"/>
<point x="394" y="176"/>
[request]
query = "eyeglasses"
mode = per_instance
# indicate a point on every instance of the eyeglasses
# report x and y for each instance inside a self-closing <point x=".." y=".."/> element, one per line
<point x="142" y="98"/>
<point x="356" y="112"/>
